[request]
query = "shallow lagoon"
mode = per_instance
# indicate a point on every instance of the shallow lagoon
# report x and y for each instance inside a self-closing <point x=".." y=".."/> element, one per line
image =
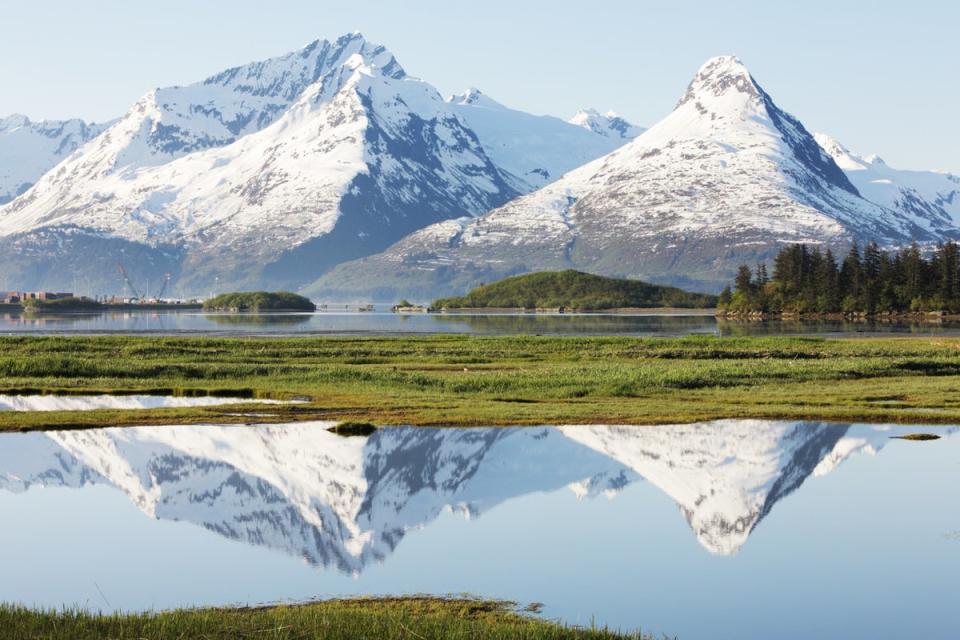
<point x="383" y="324"/>
<point x="732" y="529"/>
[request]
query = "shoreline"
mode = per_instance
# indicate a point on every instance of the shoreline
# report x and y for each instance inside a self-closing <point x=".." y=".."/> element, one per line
<point x="103" y="307"/>
<point x="620" y="311"/>
<point x="417" y="616"/>
<point x="913" y="316"/>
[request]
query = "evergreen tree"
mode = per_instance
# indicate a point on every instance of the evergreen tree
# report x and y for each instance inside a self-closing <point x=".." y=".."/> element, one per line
<point x="725" y="298"/>
<point x="827" y="278"/>
<point x="744" y="281"/>
<point x="806" y="280"/>
<point x="851" y="280"/>
<point x="762" y="277"/>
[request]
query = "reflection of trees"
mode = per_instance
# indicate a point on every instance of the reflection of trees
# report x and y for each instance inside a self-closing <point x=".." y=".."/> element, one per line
<point x="258" y="319"/>
<point x="585" y="324"/>
<point x="787" y="327"/>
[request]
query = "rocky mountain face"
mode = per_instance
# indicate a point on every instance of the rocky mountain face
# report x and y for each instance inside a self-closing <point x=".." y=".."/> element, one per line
<point x="930" y="197"/>
<point x="343" y="503"/>
<point x="727" y="178"/>
<point x="29" y="149"/>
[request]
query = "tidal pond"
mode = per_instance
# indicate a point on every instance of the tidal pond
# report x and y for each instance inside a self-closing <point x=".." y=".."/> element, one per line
<point x="105" y="401"/>
<point x="721" y="530"/>
<point x="381" y="323"/>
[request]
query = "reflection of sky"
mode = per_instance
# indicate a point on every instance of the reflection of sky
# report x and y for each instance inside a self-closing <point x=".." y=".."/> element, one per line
<point x="861" y="552"/>
<point x="389" y="323"/>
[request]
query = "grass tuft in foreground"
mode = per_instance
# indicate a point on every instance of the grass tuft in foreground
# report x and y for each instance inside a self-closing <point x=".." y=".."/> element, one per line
<point x="917" y="437"/>
<point x="371" y="618"/>
<point x="349" y="429"/>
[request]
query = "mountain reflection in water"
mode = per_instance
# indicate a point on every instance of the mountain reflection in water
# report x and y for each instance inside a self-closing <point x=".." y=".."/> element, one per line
<point x="344" y="502"/>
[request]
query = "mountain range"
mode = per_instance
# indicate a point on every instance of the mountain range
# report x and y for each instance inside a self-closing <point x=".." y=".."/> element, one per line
<point x="727" y="178"/>
<point x="29" y="149"/>
<point x="345" y="503"/>
<point x="333" y="171"/>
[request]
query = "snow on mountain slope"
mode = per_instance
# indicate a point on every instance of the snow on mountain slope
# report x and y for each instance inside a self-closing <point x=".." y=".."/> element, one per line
<point x="534" y="150"/>
<point x="263" y="174"/>
<point x="608" y="124"/>
<point x="923" y="195"/>
<point x="29" y="149"/>
<point x="727" y="178"/>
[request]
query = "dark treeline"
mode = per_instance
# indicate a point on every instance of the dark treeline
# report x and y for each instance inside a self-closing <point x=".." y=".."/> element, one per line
<point x="806" y="280"/>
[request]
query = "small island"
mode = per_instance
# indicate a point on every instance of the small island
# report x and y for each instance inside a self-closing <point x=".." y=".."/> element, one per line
<point x="258" y="302"/>
<point x="62" y="305"/>
<point x="572" y="290"/>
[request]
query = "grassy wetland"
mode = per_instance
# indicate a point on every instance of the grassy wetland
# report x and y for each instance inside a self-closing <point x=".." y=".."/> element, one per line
<point x="432" y="618"/>
<point x="463" y="381"/>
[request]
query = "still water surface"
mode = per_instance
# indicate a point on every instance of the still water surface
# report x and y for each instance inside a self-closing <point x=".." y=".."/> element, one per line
<point x="730" y="529"/>
<point x="104" y="401"/>
<point x="381" y="323"/>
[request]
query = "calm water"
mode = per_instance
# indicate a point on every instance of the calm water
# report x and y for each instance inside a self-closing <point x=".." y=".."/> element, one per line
<point x="384" y="323"/>
<point x="103" y="401"/>
<point x="733" y="529"/>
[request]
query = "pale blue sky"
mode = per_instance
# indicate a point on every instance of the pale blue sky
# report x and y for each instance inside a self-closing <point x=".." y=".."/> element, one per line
<point x="882" y="77"/>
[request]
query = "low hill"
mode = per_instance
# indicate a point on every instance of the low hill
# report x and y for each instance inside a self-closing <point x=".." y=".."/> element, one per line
<point x="574" y="290"/>
<point x="259" y="301"/>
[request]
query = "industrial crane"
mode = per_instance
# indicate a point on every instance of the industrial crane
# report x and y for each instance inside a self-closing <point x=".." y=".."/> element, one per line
<point x="126" y="278"/>
<point x="163" y="289"/>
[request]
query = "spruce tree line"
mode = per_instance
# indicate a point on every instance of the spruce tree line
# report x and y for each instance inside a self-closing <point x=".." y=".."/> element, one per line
<point x="808" y="280"/>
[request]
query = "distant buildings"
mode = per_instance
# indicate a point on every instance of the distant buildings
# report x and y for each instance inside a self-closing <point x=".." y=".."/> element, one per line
<point x="17" y="297"/>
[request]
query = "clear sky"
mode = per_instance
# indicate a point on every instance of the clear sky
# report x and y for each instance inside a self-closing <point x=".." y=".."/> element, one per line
<point x="882" y="77"/>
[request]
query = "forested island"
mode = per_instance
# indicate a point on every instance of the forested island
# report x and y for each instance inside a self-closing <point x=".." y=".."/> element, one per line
<point x="62" y="305"/>
<point x="808" y="281"/>
<point x="576" y="291"/>
<point x="259" y="301"/>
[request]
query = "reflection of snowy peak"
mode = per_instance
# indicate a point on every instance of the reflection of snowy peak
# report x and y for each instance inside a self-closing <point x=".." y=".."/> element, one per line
<point x="336" y="502"/>
<point x="29" y="149"/>
<point x="725" y="477"/>
<point x="922" y="195"/>
<point x="345" y="502"/>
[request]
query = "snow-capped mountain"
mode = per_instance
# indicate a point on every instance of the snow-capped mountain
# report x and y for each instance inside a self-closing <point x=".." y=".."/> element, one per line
<point x="933" y="195"/>
<point x="266" y="173"/>
<point x="29" y="149"/>
<point x="533" y="150"/>
<point x="727" y="178"/>
<point x="608" y="124"/>
<point x="346" y="502"/>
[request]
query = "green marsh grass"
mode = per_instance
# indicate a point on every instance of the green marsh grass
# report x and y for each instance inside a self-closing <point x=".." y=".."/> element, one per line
<point x="373" y="619"/>
<point x="520" y="380"/>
